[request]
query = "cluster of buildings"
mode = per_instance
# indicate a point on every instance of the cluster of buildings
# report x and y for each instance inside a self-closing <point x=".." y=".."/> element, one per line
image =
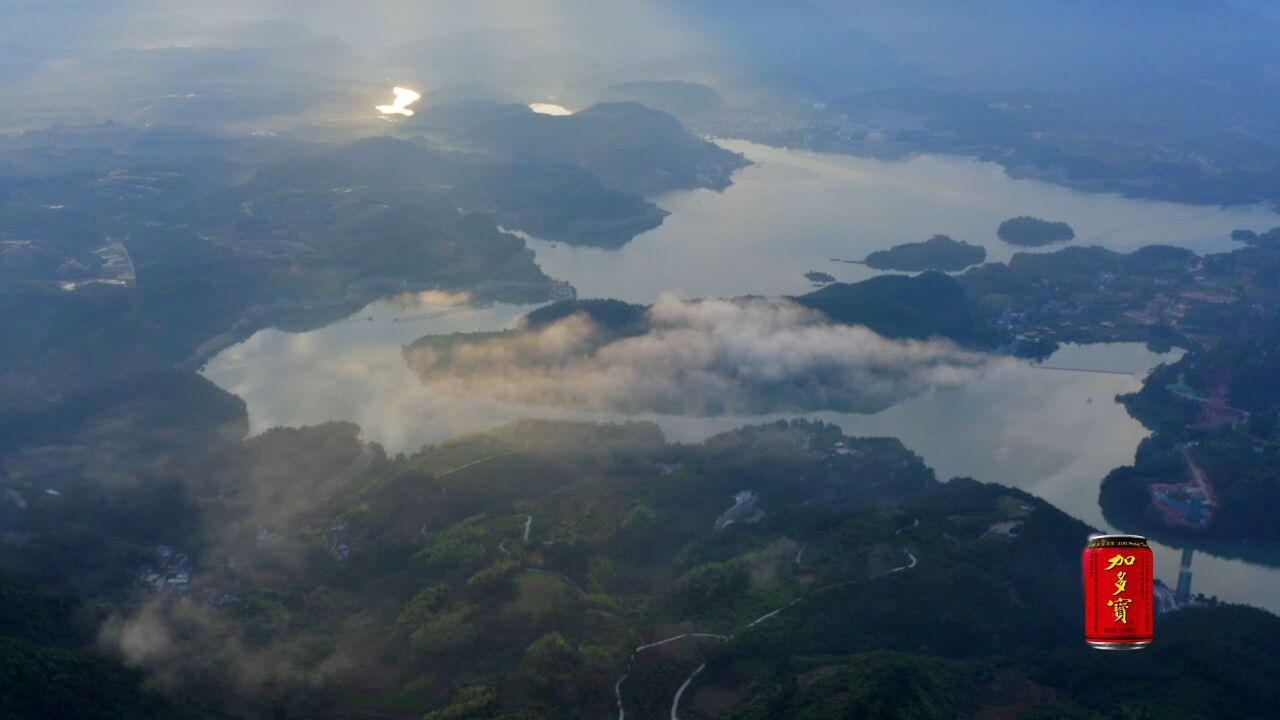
<point x="1182" y="504"/>
<point x="746" y="509"/>
<point x="169" y="571"/>
<point x="1188" y="503"/>
<point x="1011" y="320"/>
<point x="1171" y="307"/>
<point x="339" y="540"/>
<point x="116" y="269"/>
<point x="125" y="184"/>
<point x="840" y="448"/>
<point x="1161" y="309"/>
<point x="1014" y="518"/>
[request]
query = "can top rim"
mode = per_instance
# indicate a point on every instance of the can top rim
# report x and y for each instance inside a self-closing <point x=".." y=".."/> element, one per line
<point x="1116" y="536"/>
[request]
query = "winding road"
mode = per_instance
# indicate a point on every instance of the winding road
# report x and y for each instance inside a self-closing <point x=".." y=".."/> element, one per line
<point x="675" y="701"/>
<point x="528" y="526"/>
<point x="914" y="524"/>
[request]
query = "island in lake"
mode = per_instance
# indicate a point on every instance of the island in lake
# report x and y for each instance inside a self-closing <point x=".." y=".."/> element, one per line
<point x="939" y="252"/>
<point x="819" y="278"/>
<point x="1029" y="231"/>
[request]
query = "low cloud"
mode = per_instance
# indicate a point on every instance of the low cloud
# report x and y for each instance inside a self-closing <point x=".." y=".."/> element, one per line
<point x="703" y="358"/>
<point x="142" y="639"/>
<point x="182" y="643"/>
<point x="428" y="299"/>
<point x="266" y="516"/>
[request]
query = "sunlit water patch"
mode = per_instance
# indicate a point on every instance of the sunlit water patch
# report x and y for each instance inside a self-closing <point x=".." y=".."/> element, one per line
<point x="1054" y="433"/>
<point x="544" y="108"/>
<point x="404" y="97"/>
<point x="794" y="211"/>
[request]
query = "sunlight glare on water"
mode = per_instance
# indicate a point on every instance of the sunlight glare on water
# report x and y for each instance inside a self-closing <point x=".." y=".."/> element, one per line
<point x="549" y="109"/>
<point x="404" y="98"/>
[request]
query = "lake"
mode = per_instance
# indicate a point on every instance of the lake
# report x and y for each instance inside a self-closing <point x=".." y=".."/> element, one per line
<point x="1052" y="432"/>
<point x="793" y="211"/>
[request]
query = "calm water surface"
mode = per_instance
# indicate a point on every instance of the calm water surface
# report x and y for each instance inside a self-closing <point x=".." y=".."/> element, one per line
<point x="1054" y="433"/>
<point x="793" y="211"/>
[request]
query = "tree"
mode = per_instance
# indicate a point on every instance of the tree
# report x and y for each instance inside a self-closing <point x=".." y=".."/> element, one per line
<point x="496" y="576"/>
<point x="706" y="586"/>
<point x="552" y="654"/>
<point x="423" y="606"/>
<point x="447" y="633"/>
<point x="470" y="702"/>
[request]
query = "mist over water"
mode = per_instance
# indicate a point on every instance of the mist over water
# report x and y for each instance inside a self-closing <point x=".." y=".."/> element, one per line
<point x="296" y="524"/>
<point x="1053" y="433"/>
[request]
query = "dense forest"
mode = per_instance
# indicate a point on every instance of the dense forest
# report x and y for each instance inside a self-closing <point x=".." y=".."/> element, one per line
<point x="528" y="572"/>
<point x="46" y="670"/>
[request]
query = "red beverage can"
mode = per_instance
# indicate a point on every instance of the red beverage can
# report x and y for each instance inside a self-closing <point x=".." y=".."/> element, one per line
<point x="1118" y="592"/>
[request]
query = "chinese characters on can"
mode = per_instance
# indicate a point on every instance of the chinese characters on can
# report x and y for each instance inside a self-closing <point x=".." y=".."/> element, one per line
<point x="1118" y="577"/>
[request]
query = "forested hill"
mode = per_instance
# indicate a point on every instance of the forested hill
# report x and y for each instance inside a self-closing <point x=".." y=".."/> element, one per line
<point x="45" y="672"/>
<point x="630" y="146"/>
<point x="572" y="570"/>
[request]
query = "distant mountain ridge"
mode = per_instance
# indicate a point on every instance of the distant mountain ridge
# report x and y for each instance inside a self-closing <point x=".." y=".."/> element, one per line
<point x="679" y="98"/>
<point x="630" y="146"/>
<point x="549" y="199"/>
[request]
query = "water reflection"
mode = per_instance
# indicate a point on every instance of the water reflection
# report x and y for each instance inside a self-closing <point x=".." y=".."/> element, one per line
<point x="1053" y="433"/>
<point x="353" y="370"/>
<point x="794" y="211"/>
<point x="543" y="108"/>
<point x="404" y="97"/>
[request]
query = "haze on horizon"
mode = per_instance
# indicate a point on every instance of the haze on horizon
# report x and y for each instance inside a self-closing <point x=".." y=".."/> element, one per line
<point x="292" y="62"/>
<point x="563" y="358"/>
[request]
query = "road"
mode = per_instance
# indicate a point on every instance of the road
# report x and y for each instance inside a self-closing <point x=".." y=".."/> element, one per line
<point x="528" y="525"/>
<point x="675" y="701"/>
<point x="473" y="463"/>
<point x="1198" y="478"/>
<point x="912" y="562"/>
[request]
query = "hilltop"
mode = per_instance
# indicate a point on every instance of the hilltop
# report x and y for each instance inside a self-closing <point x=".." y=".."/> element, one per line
<point x="939" y="252"/>
<point x="628" y="145"/>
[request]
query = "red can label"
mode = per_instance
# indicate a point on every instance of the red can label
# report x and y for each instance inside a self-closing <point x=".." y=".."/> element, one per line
<point x="1118" y="592"/>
